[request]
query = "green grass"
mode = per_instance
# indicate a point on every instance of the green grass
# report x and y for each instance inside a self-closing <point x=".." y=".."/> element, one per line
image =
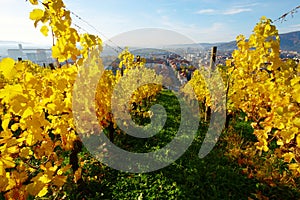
<point x="214" y="177"/>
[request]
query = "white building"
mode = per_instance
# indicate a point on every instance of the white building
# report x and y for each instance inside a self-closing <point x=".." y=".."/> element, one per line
<point x="38" y="56"/>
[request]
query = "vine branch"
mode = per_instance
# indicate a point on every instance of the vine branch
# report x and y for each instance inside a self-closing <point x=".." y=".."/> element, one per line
<point x="291" y="12"/>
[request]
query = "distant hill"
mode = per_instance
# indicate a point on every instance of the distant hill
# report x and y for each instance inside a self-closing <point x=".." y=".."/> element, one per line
<point x="288" y="41"/>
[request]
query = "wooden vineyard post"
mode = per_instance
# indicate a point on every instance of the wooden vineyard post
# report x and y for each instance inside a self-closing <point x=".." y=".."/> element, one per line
<point x="213" y="58"/>
<point x="212" y="68"/>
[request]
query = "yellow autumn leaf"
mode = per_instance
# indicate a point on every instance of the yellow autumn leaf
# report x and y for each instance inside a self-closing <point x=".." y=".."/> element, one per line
<point x="298" y="140"/>
<point x="20" y="67"/>
<point x="7" y="68"/>
<point x="3" y="183"/>
<point x="45" y="179"/>
<point x="288" y="157"/>
<point x="296" y="91"/>
<point x="55" y="52"/>
<point x="5" y="135"/>
<point x="15" y="126"/>
<point x="11" y="181"/>
<point x="10" y="91"/>
<point x="64" y="169"/>
<point x="36" y="14"/>
<point x="30" y="139"/>
<point x="28" y="112"/>
<point x="43" y="192"/>
<point x="44" y="30"/>
<point x="2" y="169"/>
<point x="265" y="148"/>
<point x="12" y="146"/>
<point x="279" y="110"/>
<point x="77" y="175"/>
<point x="34" y="2"/>
<point x="281" y="126"/>
<point x="6" y="162"/>
<point x="25" y="152"/>
<point x="21" y="99"/>
<point x="297" y="98"/>
<point x="296" y="121"/>
<point x="35" y="187"/>
<point x="295" y="81"/>
<point x="293" y="166"/>
<point x="49" y="167"/>
<point x="59" y="181"/>
<point x="52" y="109"/>
<point x="5" y="122"/>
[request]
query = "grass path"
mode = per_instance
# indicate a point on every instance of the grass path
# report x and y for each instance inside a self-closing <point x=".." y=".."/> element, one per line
<point x="214" y="177"/>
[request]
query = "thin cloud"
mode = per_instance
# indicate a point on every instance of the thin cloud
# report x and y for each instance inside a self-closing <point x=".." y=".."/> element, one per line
<point x="210" y="33"/>
<point x="290" y="28"/>
<point x="248" y="5"/>
<point x="160" y="11"/>
<point x="295" y="26"/>
<point x="234" y="11"/>
<point x="214" y="28"/>
<point x="206" y="11"/>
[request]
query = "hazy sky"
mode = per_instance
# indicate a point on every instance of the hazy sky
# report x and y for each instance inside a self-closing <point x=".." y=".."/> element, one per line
<point x="199" y="20"/>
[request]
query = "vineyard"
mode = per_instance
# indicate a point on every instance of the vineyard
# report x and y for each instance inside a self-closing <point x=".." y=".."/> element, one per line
<point x="48" y="116"/>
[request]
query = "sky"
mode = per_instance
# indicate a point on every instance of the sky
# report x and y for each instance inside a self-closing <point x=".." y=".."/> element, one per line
<point x="205" y="21"/>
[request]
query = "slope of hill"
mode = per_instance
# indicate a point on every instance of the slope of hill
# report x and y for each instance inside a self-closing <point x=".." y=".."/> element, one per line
<point x="288" y="41"/>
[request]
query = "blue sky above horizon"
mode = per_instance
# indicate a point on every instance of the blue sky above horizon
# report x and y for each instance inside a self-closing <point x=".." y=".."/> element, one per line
<point x="199" y="20"/>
